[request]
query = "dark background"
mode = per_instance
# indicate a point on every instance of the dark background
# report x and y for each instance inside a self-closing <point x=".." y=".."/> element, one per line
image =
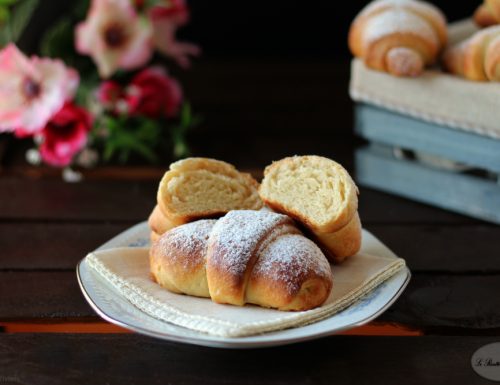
<point x="273" y="77"/>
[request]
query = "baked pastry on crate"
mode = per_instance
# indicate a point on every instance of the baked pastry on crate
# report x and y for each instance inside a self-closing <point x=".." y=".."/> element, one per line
<point x="401" y="37"/>
<point x="476" y="58"/>
<point x="320" y="194"/>
<point x="247" y="256"/>
<point x="196" y="188"/>
<point x="488" y="13"/>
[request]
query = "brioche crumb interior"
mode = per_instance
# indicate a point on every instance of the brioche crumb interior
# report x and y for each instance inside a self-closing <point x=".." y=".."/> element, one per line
<point x="204" y="191"/>
<point x="321" y="193"/>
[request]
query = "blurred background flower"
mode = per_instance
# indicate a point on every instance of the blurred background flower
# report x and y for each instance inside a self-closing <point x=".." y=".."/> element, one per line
<point x="115" y="36"/>
<point x="65" y="135"/>
<point x="154" y="94"/>
<point x="126" y="106"/>
<point x="31" y="90"/>
<point x="167" y="16"/>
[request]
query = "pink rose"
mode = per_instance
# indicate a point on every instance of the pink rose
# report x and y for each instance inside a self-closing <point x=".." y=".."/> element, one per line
<point x="32" y="90"/>
<point x="65" y="135"/>
<point x="154" y="94"/>
<point x="115" y="36"/>
<point x="167" y="17"/>
<point x="110" y="94"/>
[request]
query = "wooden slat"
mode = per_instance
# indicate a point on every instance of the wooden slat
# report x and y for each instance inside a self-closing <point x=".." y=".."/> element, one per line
<point x="457" y="301"/>
<point x="434" y="248"/>
<point x="465" y="194"/>
<point x="92" y="200"/>
<point x="41" y="295"/>
<point x="100" y="326"/>
<point x="52" y="199"/>
<point x="426" y="248"/>
<point x="430" y="301"/>
<point x="78" y="359"/>
<point x="380" y="207"/>
<point x="390" y="128"/>
<point x="245" y="151"/>
<point x="34" y="246"/>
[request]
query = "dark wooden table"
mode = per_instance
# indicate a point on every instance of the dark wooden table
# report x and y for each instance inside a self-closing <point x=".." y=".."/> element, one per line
<point x="50" y="335"/>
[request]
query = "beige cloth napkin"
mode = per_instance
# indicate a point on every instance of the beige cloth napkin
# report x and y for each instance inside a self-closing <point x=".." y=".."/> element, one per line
<point x="435" y="96"/>
<point x="127" y="269"/>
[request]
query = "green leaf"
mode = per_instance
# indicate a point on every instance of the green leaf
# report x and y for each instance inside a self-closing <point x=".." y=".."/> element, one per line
<point x="56" y="38"/>
<point x="109" y="150"/>
<point x="6" y="3"/>
<point x="186" y="115"/>
<point x="4" y="14"/>
<point x="21" y="15"/>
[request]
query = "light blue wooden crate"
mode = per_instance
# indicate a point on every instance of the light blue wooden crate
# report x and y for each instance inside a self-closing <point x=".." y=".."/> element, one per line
<point x="377" y="168"/>
<point x="382" y="126"/>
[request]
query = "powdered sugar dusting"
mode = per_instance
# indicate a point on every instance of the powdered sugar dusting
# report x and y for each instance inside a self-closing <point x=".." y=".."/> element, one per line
<point x="416" y="6"/>
<point x="395" y="20"/>
<point x="290" y="259"/>
<point x="184" y="244"/>
<point x="402" y="60"/>
<point x="235" y="237"/>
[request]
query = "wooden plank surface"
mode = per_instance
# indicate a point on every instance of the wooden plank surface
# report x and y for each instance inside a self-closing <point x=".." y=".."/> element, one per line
<point x="443" y="249"/>
<point x="114" y="359"/>
<point x="111" y="201"/>
<point x="51" y="246"/>
<point x="430" y="301"/>
<point x="48" y="199"/>
<point x="426" y="248"/>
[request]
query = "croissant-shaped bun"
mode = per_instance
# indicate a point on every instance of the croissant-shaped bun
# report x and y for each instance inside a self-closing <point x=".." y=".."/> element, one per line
<point x="247" y="256"/>
<point x="478" y="57"/>
<point x="398" y="36"/>
<point x="488" y="13"/>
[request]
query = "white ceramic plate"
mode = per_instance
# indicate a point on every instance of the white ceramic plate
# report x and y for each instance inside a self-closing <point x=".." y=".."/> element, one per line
<point x="111" y="306"/>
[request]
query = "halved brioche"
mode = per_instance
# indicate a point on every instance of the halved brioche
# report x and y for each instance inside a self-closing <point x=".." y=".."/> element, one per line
<point x="320" y="194"/>
<point x="196" y="188"/>
<point x="315" y="190"/>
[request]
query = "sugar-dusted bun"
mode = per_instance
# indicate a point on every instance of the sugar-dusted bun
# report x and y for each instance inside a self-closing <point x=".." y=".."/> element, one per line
<point x="488" y="13"/>
<point x="314" y="190"/>
<point x="398" y="36"/>
<point x="197" y="188"/>
<point x="178" y="258"/>
<point x="320" y="194"/>
<point x="476" y="58"/>
<point x="247" y="256"/>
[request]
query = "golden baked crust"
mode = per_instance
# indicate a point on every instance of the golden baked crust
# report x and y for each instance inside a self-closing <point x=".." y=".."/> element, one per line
<point x="158" y="222"/>
<point x="285" y="280"/>
<point x="398" y="36"/>
<point x="320" y="194"/>
<point x="234" y="247"/>
<point x="248" y="256"/>
<point x="342" y="243"/>
<point x="195" y="188"/>
<point x="154" y="237"/>
<point x="476" y="58"/>
<point x="488" y="13"/>
<point x="178" y="258"/>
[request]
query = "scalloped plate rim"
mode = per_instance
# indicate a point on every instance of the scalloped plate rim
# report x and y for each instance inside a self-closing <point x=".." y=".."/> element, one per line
<point x="281" y="337"/>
